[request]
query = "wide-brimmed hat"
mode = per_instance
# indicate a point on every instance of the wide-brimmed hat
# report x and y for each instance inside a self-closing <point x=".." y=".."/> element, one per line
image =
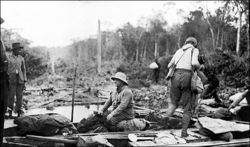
<point x="16" y="45"/>
<point x="191" y="39"/>
<point x="120" y="76"/>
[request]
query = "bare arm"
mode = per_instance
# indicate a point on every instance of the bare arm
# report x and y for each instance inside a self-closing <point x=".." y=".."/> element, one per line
<point x="195" y="62"/>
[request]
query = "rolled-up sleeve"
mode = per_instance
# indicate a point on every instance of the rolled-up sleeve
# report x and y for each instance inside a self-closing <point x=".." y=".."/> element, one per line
<point x="125" y="101"/>
<point x="195" y="62"/>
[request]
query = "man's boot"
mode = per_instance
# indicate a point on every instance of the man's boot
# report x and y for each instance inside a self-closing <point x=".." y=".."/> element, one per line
<point x="20" y="113"/>
<point x="185" y="123"/>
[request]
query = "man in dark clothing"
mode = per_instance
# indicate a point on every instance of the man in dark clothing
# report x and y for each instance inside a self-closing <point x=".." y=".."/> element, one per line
<point x="211" y="86"/>
<point x="121" y="101"/>
<point x="17" y="74"/>
<point x="160" y="67"/>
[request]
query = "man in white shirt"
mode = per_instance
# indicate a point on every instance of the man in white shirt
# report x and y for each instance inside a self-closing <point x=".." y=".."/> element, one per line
<point x="186" y="59"/>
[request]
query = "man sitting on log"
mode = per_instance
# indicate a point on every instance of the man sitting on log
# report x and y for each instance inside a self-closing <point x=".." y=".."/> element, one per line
<point x="121" y="117"/>
<point x="121" y="101"/>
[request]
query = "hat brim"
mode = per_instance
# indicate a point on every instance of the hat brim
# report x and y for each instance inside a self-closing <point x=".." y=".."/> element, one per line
<point x="115" y="78"/>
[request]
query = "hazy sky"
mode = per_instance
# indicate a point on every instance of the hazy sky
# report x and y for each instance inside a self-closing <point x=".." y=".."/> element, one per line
<point x="57" y="23"/>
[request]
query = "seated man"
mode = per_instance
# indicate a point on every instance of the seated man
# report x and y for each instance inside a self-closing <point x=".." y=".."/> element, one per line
<point x="122" y="101"/>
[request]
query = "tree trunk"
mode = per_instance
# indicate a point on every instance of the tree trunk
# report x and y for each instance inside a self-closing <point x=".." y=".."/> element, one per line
<point x="238" y="36"/>
<point x="79" y="54"/>
<point x="248" y="48"/>
<point x="137" y="53"/>
<point x="53" y="66"/>
<point x="145" y="53"/>
<point x="99" y="50"/>
<point x="156" y="50"/>
<point x="222" y="36"/>
<point x="212" y="32"/>
<point x="142" y="52"/>
<point x="217" y="38"/>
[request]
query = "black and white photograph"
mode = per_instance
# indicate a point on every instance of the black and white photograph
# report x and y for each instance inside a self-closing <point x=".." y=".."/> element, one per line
<point x="125" y="73"/>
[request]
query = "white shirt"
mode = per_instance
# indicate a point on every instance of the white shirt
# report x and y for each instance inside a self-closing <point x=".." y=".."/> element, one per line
<point x="185" y="61"/>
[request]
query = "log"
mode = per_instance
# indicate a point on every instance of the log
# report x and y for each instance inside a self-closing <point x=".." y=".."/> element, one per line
<point x="235" y="142"/>
<point x="57" y="139"/>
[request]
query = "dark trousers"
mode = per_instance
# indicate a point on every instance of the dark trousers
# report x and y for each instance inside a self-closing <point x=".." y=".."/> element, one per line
<point x="15" y="90"/>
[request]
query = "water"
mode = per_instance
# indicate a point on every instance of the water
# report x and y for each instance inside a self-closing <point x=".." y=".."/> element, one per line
<point x="80" y="112"/>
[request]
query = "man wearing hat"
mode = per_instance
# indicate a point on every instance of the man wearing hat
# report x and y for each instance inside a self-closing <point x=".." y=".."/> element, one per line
<point x="121" y="101"/>
<point x="160" y="67"/>
<point x="17" y="75"/>
<point x="185" y="59"/>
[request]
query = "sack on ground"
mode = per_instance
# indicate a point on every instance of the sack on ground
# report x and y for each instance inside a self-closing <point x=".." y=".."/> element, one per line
<point x="45" y="124"/>
<point x="136" y="124"/>
<point x="196" y="83"/>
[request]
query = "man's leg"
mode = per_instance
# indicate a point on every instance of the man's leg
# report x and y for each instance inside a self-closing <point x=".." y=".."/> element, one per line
<point x="171" y="108"/>
<point x="175" y="94"/>
<point x="19" y="96"/>
<point x="11" y="96"/>
<point x="185" y="121"/>
<point x="186" y="101"/>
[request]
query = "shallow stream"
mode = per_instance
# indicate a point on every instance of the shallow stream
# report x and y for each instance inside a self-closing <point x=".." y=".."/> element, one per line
<point x="80" y="111"/>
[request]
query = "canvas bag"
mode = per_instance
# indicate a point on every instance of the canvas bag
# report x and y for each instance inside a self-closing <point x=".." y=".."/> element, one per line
<point x="172" y="69"/>
<point x="196" y="83"/>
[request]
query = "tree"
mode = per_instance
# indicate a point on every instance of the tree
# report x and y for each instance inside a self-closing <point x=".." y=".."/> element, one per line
<point x="242" y="8"/>
<point x="128" y="41"/>
<point x="156" y="28"/>
<point x="197" y="27"/>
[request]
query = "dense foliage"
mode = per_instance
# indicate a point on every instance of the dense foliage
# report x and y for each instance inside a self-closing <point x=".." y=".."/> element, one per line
<point x="131" y="48"/>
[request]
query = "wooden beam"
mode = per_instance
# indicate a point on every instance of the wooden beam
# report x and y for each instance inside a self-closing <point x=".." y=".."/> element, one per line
<point x="235" y="142"/>
<point x="58" y="139"/>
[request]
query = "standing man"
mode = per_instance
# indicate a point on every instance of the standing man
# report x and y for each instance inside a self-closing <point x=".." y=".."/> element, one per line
<point x="160" y="67"/>
<point x="186" y="58"/>
<point x="17" y="74"/>
<point x="122" y="101"/>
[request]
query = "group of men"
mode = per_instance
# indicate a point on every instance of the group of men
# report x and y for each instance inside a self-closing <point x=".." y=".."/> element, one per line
<point x="122" y="102"/>
<point x="180" y="93"/>
<point x="14" y="70"/>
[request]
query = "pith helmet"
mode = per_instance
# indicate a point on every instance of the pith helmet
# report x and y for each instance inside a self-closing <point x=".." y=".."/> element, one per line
<point x="120" y="76"/>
